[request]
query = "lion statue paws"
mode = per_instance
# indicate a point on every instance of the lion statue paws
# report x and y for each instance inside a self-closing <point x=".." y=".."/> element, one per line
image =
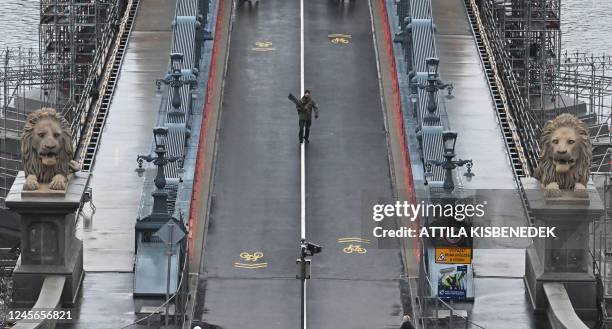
<point x="580" y="190"/>
<point x="31" y="183"/>
<point x="58" y="182"/>
<point x="552" y="190"/>
<point x="74" y="166"/>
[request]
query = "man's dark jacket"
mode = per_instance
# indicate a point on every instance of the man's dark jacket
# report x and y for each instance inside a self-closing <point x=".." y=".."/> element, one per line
<point x="309" y="106"/>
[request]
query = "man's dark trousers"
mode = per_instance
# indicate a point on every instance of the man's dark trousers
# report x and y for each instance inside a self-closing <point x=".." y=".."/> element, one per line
<point x="304" y="129"/>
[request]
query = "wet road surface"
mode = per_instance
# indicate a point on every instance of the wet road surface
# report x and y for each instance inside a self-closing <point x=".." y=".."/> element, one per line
<point x="256" y="199"/>
<point x="347" y="158"/>
<point x="255" y="202"/>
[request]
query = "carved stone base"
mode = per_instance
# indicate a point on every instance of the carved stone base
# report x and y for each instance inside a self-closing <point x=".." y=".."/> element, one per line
<point x="565" y="258"/>
<point x="581" y="287"/>
<point x="28" y="279"/>
<point x="48" y="242"/>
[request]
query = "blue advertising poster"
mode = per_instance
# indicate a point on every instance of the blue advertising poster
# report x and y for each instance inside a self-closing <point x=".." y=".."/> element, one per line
<point x="451" y="281"/>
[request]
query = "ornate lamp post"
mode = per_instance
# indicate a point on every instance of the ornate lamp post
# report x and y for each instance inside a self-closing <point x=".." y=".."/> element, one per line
<point x="173" y="79"/>
<point x="160" y="215"/>
<point x="434" y="83"/>
<point x="449" y="139"/>
<point x="160" y="222"/>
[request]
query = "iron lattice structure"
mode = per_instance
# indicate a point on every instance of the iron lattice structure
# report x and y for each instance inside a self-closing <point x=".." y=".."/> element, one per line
<point x="531" y="30"/>
<point x="23" y="83"/>
<point x="71" y="34"/>
<point x="587" y="79"/>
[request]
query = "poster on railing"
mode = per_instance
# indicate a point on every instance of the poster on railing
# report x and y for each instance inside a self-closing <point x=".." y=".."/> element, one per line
<point x="450" y="279"/>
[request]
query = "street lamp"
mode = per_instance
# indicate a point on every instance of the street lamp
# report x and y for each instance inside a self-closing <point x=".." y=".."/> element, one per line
<point x="160" y="195"/>
<point x="434" y="83"/>
<point x="432" y="67"/>
<point x="173" y="79"/>
<point x="160" y="222"/>
<point x="449" y="138"/>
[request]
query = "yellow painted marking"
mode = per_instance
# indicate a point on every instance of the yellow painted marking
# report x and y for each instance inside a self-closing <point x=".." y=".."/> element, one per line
<point x="263" y="46"/>
<point x="354" y="248"/>
<point x="251" y="257"/>
<point x="339" y="38"/>
<point x="353" y="239"/>
<point x="251" y="266"/>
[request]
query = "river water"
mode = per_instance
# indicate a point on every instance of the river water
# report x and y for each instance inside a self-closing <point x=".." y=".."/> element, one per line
<point x="587" y="25"/>
<point x="19" y="23"/>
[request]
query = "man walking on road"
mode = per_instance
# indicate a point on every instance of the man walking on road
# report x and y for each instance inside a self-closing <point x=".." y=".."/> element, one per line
<point x="305" y="114"/>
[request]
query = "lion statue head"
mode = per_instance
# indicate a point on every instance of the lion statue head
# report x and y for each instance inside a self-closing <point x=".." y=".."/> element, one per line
<point x="565" y="155"/>
<point x="46" y="150"/>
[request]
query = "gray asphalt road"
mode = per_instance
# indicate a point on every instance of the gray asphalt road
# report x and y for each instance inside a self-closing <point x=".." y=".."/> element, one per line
<point x="256" y="205"/>
<point x="347" y="158"/>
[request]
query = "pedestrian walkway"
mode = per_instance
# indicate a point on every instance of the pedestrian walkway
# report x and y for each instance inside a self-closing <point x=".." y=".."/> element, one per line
<point x="498" y="264"/>
<point x="109" y="239"/>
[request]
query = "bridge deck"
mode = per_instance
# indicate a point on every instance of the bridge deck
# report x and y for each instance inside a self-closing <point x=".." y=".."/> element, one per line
<point x="255" y="198"/>
<point x="347" y="163"/>
<point x="255" y="203"/>
<point x="498" y="264"/>
<point x="108" y="241"/>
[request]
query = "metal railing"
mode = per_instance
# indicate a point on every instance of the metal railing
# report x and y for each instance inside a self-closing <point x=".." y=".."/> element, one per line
<point x="180" y="298"/>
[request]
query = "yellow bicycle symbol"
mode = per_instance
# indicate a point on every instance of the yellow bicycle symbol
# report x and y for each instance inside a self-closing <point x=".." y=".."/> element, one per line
<point x="339" y="40"/>
<point x="251" y="257"/>
<point x="354" y="248"/>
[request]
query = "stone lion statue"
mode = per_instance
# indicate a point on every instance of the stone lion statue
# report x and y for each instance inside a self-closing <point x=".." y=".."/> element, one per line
<point x="46" y="150"/>
<point x="565" y="156"/>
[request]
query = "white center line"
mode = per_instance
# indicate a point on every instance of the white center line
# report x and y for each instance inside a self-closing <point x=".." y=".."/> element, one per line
<point x="302" y="146"/>
<point x="302" y="164"/>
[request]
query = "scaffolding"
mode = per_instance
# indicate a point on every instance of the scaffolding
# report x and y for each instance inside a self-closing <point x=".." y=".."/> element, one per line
<point x="532" y="36"/>
<point x="525" y="42"/>
<point x="23" y="85"/>
<point x="72" y="32"/>
<point x="587" y="80"/>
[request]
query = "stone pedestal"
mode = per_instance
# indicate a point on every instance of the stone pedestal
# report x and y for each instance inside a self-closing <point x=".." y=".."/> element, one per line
<point x="48" y="241"/>
<point x="564" y="259"/>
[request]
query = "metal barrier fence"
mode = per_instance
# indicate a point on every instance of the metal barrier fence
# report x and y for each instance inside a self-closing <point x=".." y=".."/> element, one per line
<point x="418" y="41"/>
<point x="180" y="112"/>
<point x="180" y="298"/>
<point x="417" y="37"/>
